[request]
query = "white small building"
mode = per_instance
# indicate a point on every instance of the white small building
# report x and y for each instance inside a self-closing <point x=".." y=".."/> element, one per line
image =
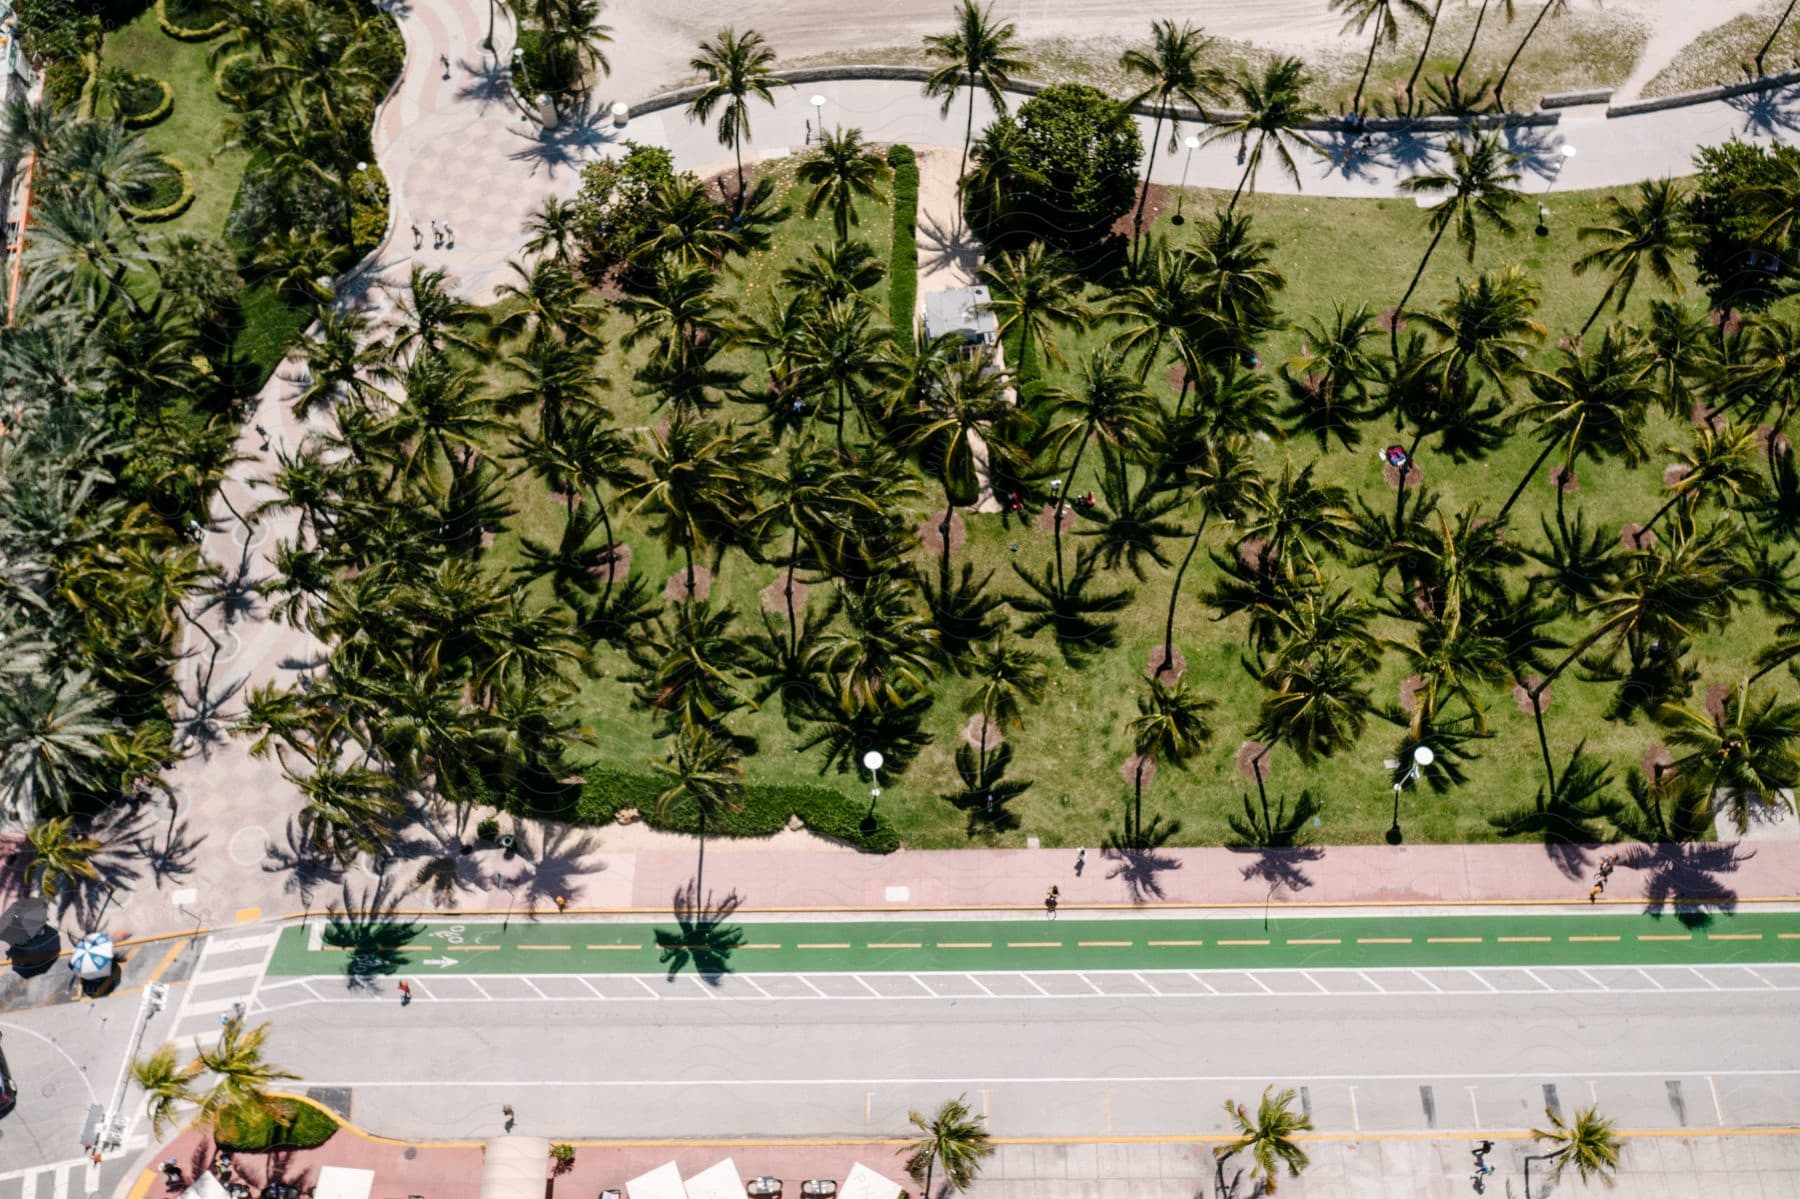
<point x="964" y="311"/>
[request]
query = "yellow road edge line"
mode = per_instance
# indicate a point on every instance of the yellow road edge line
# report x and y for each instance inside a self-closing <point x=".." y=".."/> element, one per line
<point x="1670" y="936"/>
<point x="894" y="945"/>
<point x="1103" y="944"/>
<point x="1169" y="944"/>
<point x="965" y="944"/>
<point x="1384" y="940"/>
<point x="1734" y="936"/>
<point x="168" y="959"/>
<point x="604" y="948"/>
<point x="1452" y="940"/>
<point x="1315" y="940"/>
<point x="1523" y="940"/>
<point x="823" y="945"/>
<point x="1612" y="938"/>
<point x="1034" y="944"/>
<point x="1262" y="942"/>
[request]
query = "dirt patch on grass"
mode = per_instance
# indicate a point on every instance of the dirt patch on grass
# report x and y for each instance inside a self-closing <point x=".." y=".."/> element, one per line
<point x="677" y="589"/>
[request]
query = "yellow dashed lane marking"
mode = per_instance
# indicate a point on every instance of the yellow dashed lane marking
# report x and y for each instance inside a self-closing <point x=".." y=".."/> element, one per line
<point x="824" y="945"/>
<point x="1669" y="936"/>
<point x="542" y="947"/>
<point x="894" y="945"/>
<point x="1452" y="940"/>
<point x="1034" y="944"/>
<point x="1315" y="941"/>
<point x="1168" y="944"/>
<point x="1104" y="944"/>
<point x="965" y="944"/>
<point x="1734" y="936"/>
<point x="1593" y="938"/>
<point x="1384" y="940"/>
<point x="1262" y="942"/>
<point x="615" y="947"/>
<point x="759" y="947"/>
<point x="1523" y="940"/>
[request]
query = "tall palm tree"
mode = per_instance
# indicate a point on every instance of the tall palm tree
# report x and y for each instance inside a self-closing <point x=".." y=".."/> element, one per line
<point x="1773" y="34"/>
<point x="1328" y="382"/>
<point x="1589" y="1142"/>
<point x="1161" y="303"/>
<point x="1273" y="107"/>
<point x="953" y="1137"/>
<point x="841" y="351"/>
<point x="1720" y="460"/>
<point x="60" y="856"/>
<point x="1480" y="181"/>
<point x="1169" y="728"/>
<point x="1746" y="748"/>
<point x="53" y="731"/>
<point x="1222" y="476"/>
<point x="1557" y="7"/>
<point x="555" y="227"/>
<point x="737" y="68"/>
<point x="1269" y="1135"/>
<point x="1034" y="292"/>
<point x="1109" y="405"/>
<point x="1358" y="14"/>
<point x="838" y="173"/>
<point x="166" y="1085"/>
<point x="1171" y="64"/>
<point x="1007" y="677"/>
<point x="1653" y="232"/>
<point x="702" y="769"/>
<point x="1487" y="329"/>
<point x="1431" y="23"/>
<point x="1003" y="170"/>
<point x="345" y="809"/>
<point x="696" y="486"/>
<point x="977" y="53"/>
<point x="240" y="1078"/>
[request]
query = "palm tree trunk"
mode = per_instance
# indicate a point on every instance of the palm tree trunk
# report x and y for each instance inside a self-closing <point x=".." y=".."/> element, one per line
<point x="1137" y="222"/>
<point x="944" y="529"/>
<point x="737" y="144"/>
<point x="1168" y="657"/>
<point x="1773" y="34"/>
<point x="1394" y="329"/>
<point x="1605" y="297"/>
<point x="1356" y="102"/>
<point x="1062" y="496"/>
<point x="687" y="550"/>
<point x="1400" y="490"/>
<point x="968" y="136"/>
<point x="1137" y="805"/>
<point x="1500" y="87"/>
<point x="1656" y="516"/>
<point x="1480" y="16"/>
<point x="1581" y="647"/>
<point x="788" y="591"/>
<point x="1525" y="479"/>
<point x="987" y="722"/>
<point x="1256" y="769"/>
<point x="1250" y="162"/>
<point x="1430" y="30"/>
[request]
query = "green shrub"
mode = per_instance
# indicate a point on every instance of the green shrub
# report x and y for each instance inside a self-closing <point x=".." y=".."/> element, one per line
<point x="903" y="262"/>
<point x="144" y="101"/>
<point x="237" y="78"/>
<point x="368" y="209"/>
<point x="90" y="85"/>
<point x="173" y="194"/>
<point x="1086" y="150"/>
<point x="488" y="830"/>
<point x="190" y="23"/>
<point x="267" y="326"/>
<point x="764" y="812"/>
<point x="612" y="203"/>
<point x="251" y="1129"/>
<point x="55" y="31"/>
<point x="1727" y="210"/>
<point x="64" y="81"/>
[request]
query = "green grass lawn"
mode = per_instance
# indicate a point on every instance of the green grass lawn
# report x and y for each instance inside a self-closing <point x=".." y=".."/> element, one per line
<point x="1074" y="744"/>
<point x="194" y="131"/>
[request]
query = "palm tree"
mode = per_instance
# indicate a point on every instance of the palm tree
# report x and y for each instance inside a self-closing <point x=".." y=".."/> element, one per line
<point x="1273" y="106"/>
<point x="696" y="486"/>
<point x="53" y="732"/>
<point x="60" y="855"/>
<point x="1171" y="65"/>
<point x="841" y="349"/>
<point x="1007" y="677"/>
<point x="241" y="1079"/>
<point x="554" y="226"/>
<point x="1431" y="23"/>
<point x="1236" y="284"/>
<point x="1557" y="6"/>
<point x="1454" y="86"/>
<point x="1358" y="15"/>
<point x="1161" y="302"/>
<point x="1003" y="169"/>
<point x="1590" y="1143"/>
<point x="74" y="255"/>
<point x="977" y="54"/>
<point x="1035" y="291"/>
<point x="165" y="1084"/>
<point x="1745" y="748"/>
<point x="345" y="810"/>
<point x="1773" y="34"/>
<point x="954" y="1138"/>
<point x="737" y="67"/>
<point x="1328" y="381"/>
<point x="1169" y="728"/>
<point x="1486" y="330"/>
<point x="1479" y="180"/>
<point x="1719" y="460"/>
<point x="703" y="770"/>
<point x="1269" y="1136"/>
<point x="1109" y="405"/>
<point x="842" y="170"/>
<point x="1223" y="477"/>
<point x="1652" y="232"/>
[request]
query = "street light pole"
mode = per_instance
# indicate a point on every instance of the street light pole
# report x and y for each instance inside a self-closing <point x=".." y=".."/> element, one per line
<point x="1566" y="152"/>
<point x="1421" y="757"/>
<point x="1192" y="143"/>
<point x="818" y="103"/>
<point x="872" y="762"/>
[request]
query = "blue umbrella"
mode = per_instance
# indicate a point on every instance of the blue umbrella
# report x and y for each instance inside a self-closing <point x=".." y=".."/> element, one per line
<point x="92" y="956"/>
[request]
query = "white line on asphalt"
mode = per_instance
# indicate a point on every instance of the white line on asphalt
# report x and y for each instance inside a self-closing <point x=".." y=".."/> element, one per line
<point x="1718" y="1107"/>
<point x="1355" y="1117"/>
<point x="60" y="1189"/>
<point x="865" y="984"/>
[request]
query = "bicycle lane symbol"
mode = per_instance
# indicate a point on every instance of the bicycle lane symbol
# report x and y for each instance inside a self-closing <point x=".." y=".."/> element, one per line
<point x="452" y="935"/>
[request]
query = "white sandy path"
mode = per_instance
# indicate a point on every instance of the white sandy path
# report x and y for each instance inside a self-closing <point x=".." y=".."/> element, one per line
<point x="653" y="39"/>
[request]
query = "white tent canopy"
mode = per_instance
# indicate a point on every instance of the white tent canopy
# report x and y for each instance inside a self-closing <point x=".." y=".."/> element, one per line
<point x="343" y="1182"/>
<point x="716" y="1182"/>
<point x="664" y="1182"/>
<point x="864" y="1183"/>
<point x="206" y="1187"/>
<point x="512" y="1167"/>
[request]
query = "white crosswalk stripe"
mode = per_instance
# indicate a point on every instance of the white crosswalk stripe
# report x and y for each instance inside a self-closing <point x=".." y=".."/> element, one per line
<point x="227" y="974"/>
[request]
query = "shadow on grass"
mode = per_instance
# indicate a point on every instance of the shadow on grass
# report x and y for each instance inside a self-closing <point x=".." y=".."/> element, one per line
<point x="704" y="940"/>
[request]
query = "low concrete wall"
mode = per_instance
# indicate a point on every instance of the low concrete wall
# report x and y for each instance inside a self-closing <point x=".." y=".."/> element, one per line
<point x="1706" y="95"/>
<point x="1593" y="95"/>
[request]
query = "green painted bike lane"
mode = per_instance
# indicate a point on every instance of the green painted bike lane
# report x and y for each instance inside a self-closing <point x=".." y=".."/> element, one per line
<point x="572" y="946"/>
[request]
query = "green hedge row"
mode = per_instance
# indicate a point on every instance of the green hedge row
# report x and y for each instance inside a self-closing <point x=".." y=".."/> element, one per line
<point x="183" y="34"/>
<point x="252" y="1129"/>
<point x="903" y="264"/>
<point x="165" y="104"/>
<point x="170" y="209"/>
<point x="764" y="813"/>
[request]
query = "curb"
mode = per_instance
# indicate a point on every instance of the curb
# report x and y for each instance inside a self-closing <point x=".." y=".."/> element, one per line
<point x="1705" y="95"/>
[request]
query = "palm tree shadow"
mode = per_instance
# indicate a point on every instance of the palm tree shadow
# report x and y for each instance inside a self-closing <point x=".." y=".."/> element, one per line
<point x="200" y="721"/>
<point x="1538" y="148"/>
<point x="703" y="940"/>
<point x="173" y="859"/>
<point x="1681" y="878"/>
<point x="555" y="869"/>
<point x="1140" y="871"/>
<point x="577" y="136"/>
<point x="943" y="249"/>
<point x="1280" y="867"/>
<point x="1349" y="154"/>
<point x="1769" y="112"/>
<point x="1403" y="152"/>
<point x="365" y="927"/>
<point x="115" y="867"/>
<point x="305" y="867"/>
<point x="486" y="81"/>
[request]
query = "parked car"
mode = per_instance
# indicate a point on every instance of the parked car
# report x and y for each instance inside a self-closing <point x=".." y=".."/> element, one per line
<point x="9" y="1090"/>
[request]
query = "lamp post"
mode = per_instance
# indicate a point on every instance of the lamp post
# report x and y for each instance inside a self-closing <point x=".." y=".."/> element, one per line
<point x="818" y="103"/>
<point x="1421" y="757"/>
<point x="872" y="762"/>
<point x="1192" y="143"/>
<point x="1565" y="152"/>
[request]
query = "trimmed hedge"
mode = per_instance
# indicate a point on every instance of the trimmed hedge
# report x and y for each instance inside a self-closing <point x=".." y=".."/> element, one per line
<point x="90" y="84"/>
<point x="251" y="1129"/>
<point x="764" y="813"/>
<point x="182" y="33"/>
<point x="903" y="261"/>
<point x="368" y="209"/>
<point x="64" y="82"/>
<point x="143" y="118"/>
<point x="167" y="210"/>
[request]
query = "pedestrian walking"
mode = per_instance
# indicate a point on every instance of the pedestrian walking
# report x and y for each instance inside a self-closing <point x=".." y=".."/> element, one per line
<point x="437" y="236"/>
<point x="1051" y="898"/>
<point x="445" y="59"/>
<point x="1594" y="892"/>
<point x="1606" y="867"/>
<point x="418" y="238"/>
<point x="449" y="237"/>
<point x="562" y="903"/>
<point x="405" y="992"/>
<point x="507" y="1111"/>
<point x="1080" y="861"/>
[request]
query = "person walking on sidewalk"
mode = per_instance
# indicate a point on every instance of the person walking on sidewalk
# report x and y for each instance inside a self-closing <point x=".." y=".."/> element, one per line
<point x="1080" y="861"/>
<point x="1051" y="899"/>
<point x="506" y="1110"/>
<point x="405" y="992"/>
